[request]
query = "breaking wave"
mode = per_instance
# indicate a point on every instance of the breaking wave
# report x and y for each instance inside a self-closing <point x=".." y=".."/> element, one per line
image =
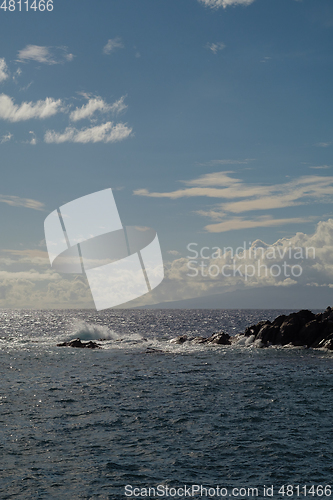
<point x="89" y="331"/>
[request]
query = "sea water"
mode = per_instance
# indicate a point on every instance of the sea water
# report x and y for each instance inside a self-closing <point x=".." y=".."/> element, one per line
<point x="146" y="418"/>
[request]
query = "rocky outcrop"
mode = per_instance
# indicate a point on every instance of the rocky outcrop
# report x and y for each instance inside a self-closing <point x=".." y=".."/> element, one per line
<point x="78" y="343"/>
<point x="303" y="328"/>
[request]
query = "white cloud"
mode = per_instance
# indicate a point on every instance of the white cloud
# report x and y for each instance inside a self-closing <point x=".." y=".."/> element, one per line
<point x="180" y="283"/>
<point x="112" y="45"/>
<point x="215" y="47"/>
<point x="323" y="144"/>
<point x="241" y="197"/>
<point x="6" y="138"/>
<point x="106" y="132"/>
<point x="16" y="201"/>
<point x="215" y="4"/>
<point x="33" y="289"/>
<point x="26" y="280"/>
<point x="45" y="55"/>
<point x="4" y="74"/>
<point x="316" y="266"/>
<point x="27" y="110"/>
<point x="97" y="104"/>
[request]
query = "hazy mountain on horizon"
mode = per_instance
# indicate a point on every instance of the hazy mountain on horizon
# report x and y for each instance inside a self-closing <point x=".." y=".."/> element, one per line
<point x="293" y="297"/>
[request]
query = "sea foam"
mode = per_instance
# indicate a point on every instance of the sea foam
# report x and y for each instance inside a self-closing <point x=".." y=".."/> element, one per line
<point x="88" y="331"/>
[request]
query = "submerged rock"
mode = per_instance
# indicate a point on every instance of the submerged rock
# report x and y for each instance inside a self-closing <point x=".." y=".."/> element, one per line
<point x="220" y="338"/>
<point x="78" y="343"/>
<point x="153" y="350"/>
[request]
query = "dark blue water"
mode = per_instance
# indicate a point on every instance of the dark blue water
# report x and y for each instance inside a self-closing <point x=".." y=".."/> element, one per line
<point x="83" y="424"/>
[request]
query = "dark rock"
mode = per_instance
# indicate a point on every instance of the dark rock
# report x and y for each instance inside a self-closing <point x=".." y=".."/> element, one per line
<point x="289" y="329"/>
<point x="254" y="329"/>
<point x="250" y="330"/>
<point x="268" y="333"/>
<point x="78" y="343"/>
<point x="325" y="314"/>
<point x="302" y="328"/>
<point x="279" y="320"/>
<point x="305" y="316"/>
<point x="220" y="338"/>
<point x="311" y="333"/>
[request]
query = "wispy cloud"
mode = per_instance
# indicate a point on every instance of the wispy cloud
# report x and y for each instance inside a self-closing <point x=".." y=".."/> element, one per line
<point x="107" y="132"/>
<point x="4" y="74"/>
<point x="241" y="223"/>
<point x="45" y="55"/>
<point x="213" y="163"/>
<point x="27" y="110"/>
<point x="222" y="185"/>
<point x="33" y="138"/>
<point x="323" y="144"/>
<point x="320" y="167"/>
<point x="16" y="201"/>
<point x="97" y="104"/>
<point x="215" y="47"/>
<point x="6" y="138"/>
<point x="215" y="4"/>
<point x="113" y="44"/>
<point x="241" y="198"/>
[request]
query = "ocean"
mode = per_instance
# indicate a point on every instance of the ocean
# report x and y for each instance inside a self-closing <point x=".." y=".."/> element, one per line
<point x="146" y="418"/>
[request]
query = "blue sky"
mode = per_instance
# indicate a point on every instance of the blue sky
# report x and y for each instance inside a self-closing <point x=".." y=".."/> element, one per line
<point x="210" y="119"/>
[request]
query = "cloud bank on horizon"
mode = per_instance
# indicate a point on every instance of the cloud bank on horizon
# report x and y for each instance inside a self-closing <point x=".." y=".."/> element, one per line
<point x="35" y="283"/>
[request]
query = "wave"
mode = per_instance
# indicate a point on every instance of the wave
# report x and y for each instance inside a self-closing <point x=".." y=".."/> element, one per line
<point x="88" y="331"/>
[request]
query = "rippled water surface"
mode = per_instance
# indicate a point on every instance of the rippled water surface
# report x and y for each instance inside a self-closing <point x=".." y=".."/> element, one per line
<point x="83" y="424"/>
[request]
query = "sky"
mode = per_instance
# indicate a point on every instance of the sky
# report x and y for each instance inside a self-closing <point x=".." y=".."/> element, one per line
<point x="211" y="120"/>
